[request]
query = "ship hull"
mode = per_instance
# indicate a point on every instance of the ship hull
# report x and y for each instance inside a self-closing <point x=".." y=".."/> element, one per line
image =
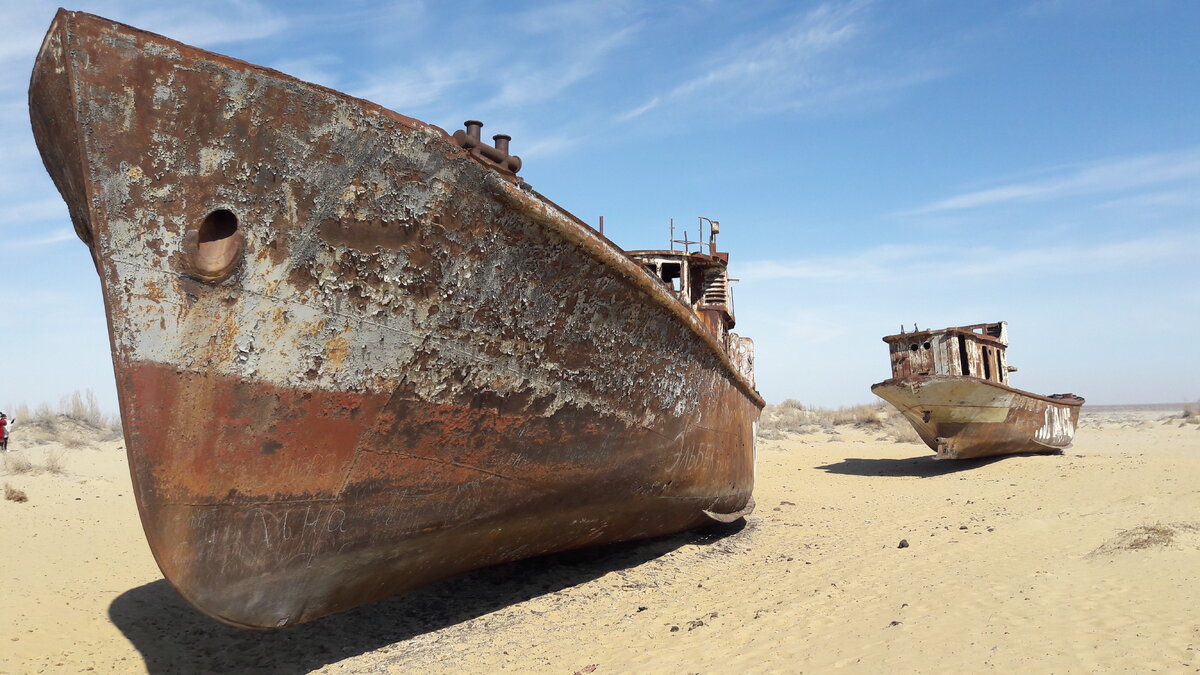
<point x="967" y="417"/>
<point x="386" y="363"/>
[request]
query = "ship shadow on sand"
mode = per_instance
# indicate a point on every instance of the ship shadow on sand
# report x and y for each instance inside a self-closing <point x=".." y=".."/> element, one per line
<point x="172" y="637"/>
<point x="919" y="467"/>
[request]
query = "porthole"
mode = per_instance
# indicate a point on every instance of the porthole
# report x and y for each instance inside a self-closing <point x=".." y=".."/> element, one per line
<point x="214" y="246"/>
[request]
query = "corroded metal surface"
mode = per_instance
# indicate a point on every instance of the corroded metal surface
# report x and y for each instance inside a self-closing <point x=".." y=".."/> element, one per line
<point x="951" y="385"/>
<point x="353" y="356"/>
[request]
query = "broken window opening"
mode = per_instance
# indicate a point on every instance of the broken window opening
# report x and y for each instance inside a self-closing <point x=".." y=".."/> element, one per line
<point x="671" y="275"/>
<point x="987" y="366"/>
<point x="962" y="355"/>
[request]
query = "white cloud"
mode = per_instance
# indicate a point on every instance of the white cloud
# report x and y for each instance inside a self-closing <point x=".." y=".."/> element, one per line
<point x="413" y="86"/>
<point x="576" y="58"/>
<point x="640" y="110"/>
<point x="941" y="262"/>
<point x="212" y="23"/>
<point x="55" y="237"/>
<point x="547" y="145"/>
<point x="806" y="64"/>
<point x="781" y="55"/>
<point x="569" y="17"/>
<point x="1112" y="176"/>
<point x="316" y="69"/>
<point x="19" y="215"/>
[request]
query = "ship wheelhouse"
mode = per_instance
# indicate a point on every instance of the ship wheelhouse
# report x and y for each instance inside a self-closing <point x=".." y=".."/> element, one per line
<point x="699" y="281"/>
<point x="977" y="351"/>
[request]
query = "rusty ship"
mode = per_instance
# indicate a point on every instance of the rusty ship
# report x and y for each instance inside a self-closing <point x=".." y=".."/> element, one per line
<point x="952" y="386"/>
<point x="355" y="353"/>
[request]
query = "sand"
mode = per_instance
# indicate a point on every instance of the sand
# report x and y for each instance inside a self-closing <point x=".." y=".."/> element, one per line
<point x="1081" y="562"/>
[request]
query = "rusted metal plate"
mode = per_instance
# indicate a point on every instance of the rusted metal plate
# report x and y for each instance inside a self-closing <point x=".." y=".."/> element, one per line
<point x="353" y="356"/>
<point x="951" y="385"/>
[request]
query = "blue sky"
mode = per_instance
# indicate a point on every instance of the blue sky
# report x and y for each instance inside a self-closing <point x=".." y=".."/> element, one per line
<point x="872" y="163"/>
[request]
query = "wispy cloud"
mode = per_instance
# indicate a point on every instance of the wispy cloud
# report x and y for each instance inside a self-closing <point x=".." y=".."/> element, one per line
<point x="808" y="62"/>
<point x="536" y="57"/>
<point x="320" y="69"/>
<point x="912" y="263"/>
<point x="204" y="24"/>
<point x="570" y="17"/>
<point x="810" y="35"/>
<point x="805" y="325"/>
<point x="415" y="86"/>
<point x="1112" y="176"/>
<point x="640" y="110"/>
<point x="213" y="23"/>
<point x="22" y="214"/>
<point x="54" y="237"/>
<point x="549" y="145"/>
<point x="521" y="84"/>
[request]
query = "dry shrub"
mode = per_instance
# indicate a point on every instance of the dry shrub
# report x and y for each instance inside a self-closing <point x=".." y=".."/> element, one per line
<point x="858" y="415"/>
<point x="72" y="439"/>
<point x="84" y="408"/>
<point x="77" y="422"/>
<point x="14" y="495"/>
<point x="793" y="417"/>
<point x="44" y="413"/>
<point x="1191" y="411"/>
<point x="900" y="430"/>
<point x="1145" y="536"/>
<point x="17" y="464"/>
<point x="54" y="460"/>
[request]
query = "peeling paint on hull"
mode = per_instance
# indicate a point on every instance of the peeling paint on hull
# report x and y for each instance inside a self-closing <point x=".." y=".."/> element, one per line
<point x="352" y="358"/>
<point x="966" y="417"/>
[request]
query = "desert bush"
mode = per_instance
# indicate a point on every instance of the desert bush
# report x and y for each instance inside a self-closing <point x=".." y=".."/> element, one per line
<point x="72" y="439"/>
<point x="44" y="413"/>
<point x="77" y="422"/>
<point x="14" y="495"/>
<point x="17" y="464"/>
<point x="84" y="408"/>
<point x="793" y="417"/>
<point x="54" y="461"/>
<point x="865" y="415"/>
<point x="1191" y="411"/>
<point x="899" y="429"/>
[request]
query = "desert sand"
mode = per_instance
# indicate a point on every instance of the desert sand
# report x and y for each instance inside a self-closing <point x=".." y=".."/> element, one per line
<point x="1081" y="562"/>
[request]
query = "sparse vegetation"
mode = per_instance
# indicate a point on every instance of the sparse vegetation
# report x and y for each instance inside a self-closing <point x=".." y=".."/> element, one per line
<point x="14" y="495"/>
<point x="1191" y="411"/>
<point x="77" y="422"/>
<point x="16" y="463"/>
<point x="793" y="417"/>
<point x="1145" y="536"/>
<point x="54" y="460"/>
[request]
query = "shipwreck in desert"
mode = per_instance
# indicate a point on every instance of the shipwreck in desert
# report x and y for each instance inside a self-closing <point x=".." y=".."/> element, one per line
<point x="356" y="353"/>
<point x="952" y="386"/>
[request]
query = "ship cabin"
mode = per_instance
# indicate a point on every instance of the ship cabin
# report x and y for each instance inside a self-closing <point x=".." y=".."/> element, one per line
<point x="962" y="351"/>
<point x="698" y="280"/>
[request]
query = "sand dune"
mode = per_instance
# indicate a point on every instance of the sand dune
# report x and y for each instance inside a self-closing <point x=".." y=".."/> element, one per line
<point x="1084" y="561"/>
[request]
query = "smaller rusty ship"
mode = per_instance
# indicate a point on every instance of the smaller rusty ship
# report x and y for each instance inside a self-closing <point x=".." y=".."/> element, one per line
<point x="952" y="386"/>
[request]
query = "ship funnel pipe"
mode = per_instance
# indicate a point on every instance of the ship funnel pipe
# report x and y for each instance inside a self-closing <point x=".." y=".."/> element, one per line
<point x="498" y="155"/>
<point x="470" y="138"/>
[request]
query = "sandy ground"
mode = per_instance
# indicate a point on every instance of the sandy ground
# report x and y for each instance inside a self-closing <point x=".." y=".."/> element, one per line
<point x="1081" y="562"/>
